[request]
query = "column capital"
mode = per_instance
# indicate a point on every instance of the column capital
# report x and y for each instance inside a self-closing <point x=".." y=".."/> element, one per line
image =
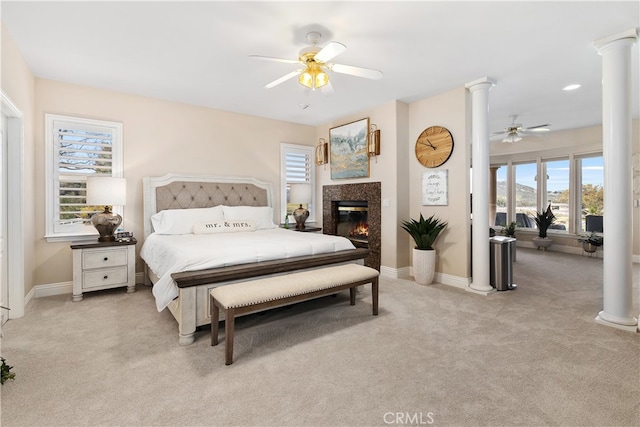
<point x="476" y="84"/>
<point x="629" y="36"/>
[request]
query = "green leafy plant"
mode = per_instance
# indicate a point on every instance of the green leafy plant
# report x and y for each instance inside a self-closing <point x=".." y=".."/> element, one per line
<point x="592" y="238"/>
<point x="543" y="220"/>
<point x="6" y="371"/>
<point x="510" y="230"/>
<point x="424" y="231"/>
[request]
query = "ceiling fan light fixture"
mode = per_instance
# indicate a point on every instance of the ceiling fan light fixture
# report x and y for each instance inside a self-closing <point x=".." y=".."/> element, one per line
<point x="313" y="77"/>
<point x="512" y="138"/>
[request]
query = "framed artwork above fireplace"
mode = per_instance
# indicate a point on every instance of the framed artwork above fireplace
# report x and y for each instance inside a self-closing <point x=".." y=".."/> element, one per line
<point x="349" y="157"/>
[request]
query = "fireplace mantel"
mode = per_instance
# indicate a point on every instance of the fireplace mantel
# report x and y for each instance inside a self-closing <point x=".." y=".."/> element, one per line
<point x="366" y="191"/>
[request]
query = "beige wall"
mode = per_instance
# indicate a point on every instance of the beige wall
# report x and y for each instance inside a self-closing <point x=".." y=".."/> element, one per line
<point x="17" y="83"/>
<point x="388" y="169"/>
<point x="159" y="137"/>
<point x="449" y="110"/>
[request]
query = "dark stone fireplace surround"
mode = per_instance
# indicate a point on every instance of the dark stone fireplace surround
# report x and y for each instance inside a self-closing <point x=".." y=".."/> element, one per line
<point x="366" y="191"/>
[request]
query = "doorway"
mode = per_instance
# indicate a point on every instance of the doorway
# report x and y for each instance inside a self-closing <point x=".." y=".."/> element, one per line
<point x="11" y="212"/>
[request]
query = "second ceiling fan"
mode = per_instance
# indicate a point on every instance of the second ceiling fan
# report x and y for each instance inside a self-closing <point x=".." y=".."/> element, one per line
<point x="515" y="131"/>
<point x="315" y="64"/>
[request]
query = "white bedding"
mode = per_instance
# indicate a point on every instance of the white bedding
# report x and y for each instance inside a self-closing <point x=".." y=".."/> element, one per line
<point x="167" y="254"/>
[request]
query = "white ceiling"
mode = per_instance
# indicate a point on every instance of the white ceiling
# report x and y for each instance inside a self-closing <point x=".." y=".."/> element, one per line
<point x="198" y="52"/>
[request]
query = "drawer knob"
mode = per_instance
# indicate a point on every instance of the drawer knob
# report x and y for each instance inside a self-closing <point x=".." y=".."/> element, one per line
<point x="105" y="277"/>
<point x="106" y="258"/>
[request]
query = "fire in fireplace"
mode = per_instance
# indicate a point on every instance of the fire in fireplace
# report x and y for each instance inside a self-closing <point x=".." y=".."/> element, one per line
<point x="352" y="221"/>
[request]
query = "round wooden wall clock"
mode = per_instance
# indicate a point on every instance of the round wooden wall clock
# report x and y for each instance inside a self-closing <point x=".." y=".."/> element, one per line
<point x="434" y="146"/>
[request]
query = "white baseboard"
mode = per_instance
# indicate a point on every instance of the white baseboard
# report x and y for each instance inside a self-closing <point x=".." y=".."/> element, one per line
<point x="40" y="291"/>
<point x="50" y="289"/>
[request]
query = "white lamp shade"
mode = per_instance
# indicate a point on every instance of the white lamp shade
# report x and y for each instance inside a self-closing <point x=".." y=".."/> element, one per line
<point x="106" y="190"/>
<point x="300" y="193"/>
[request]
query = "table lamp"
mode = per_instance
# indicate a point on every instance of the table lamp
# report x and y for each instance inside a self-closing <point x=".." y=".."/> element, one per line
<point x="107" y="191"/>
<point x="300" y="193"/>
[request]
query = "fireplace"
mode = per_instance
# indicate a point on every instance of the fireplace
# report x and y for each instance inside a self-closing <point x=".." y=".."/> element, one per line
<point x="353" y="222"/>
<point x="354" y="211"/>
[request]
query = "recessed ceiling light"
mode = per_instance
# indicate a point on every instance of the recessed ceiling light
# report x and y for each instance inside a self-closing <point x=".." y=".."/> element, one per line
<point x="571" y="87"/>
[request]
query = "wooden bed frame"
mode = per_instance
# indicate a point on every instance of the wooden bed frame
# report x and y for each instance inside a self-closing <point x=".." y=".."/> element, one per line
<point x="174" y="191"/>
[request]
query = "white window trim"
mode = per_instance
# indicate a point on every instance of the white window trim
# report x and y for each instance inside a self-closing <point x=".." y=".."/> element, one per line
<point x="51" y="185"/>
<point x="310" y="151"/>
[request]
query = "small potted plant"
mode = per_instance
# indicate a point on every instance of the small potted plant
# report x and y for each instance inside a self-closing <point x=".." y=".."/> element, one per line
<point x="591" y="242"/>
<point x="424" y="233"/>
<point x="543" y="220"/>
<point x="5" y="370"/>
<point x="510" y="230"/>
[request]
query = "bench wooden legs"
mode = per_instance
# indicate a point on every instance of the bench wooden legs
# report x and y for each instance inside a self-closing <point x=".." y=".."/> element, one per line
<point x="230" y="318"/>
<point x="374" y="295"/>
<point x="229" y="329"/>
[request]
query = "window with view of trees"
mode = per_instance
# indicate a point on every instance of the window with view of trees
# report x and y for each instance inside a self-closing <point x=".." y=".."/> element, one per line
<point x="77" y="148"/>
<point x="574" y="186"/>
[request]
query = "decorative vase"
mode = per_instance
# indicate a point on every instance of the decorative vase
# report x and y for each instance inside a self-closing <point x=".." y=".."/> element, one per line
<point x="424" y="266"/>
<point x="542" y="243"/>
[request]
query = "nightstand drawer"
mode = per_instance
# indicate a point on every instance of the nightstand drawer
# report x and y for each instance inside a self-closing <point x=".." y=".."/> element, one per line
<point x="104" y="258"/>
<point x="106" y="277"/>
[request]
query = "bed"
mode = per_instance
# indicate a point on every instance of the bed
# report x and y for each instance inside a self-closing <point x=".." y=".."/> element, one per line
<point x="186" y="253"/>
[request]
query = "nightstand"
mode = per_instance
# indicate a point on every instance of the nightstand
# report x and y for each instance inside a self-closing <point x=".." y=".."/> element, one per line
<point x="103" y="265"/>
<point x="305" y="230"/>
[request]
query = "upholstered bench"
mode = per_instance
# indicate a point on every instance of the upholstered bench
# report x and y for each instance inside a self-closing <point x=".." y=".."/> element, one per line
<point x="276" y="291"/>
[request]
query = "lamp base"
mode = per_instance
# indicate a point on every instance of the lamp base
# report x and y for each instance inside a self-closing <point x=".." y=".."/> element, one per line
<point x="106" y="223"/>
<point x="300" y="215"/>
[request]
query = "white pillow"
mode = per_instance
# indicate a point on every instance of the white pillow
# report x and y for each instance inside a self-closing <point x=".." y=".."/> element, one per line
<point x="223" y="227"/>
<point x="261" y="216"/>
<point x="181" y="221"/>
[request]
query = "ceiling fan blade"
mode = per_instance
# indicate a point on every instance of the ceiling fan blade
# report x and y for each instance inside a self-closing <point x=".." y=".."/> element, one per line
<point x="356" y="71"/>
<point x="282" y="79"/>
<point x="539" y="128"/>
<point x="271" y="58"/>
<point x="330" y="51"/>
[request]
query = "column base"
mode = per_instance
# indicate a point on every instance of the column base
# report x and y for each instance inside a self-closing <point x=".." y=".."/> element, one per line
<point x="481" y="289"/>
<point x="629" y="325"/>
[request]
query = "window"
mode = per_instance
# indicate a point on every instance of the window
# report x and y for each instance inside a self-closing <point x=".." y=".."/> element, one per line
<point x="573" y="185"/>
<point x="557" y="192"/>
<point x="296" y="166"/>
<point x="501" y="196"/>
<point x="591" y="192"/>
<point x="526" y="194"/>
<point x="77" y="148"/>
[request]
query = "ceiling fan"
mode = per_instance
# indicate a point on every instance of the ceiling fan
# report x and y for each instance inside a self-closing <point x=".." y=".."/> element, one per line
<point x="315" y="64"/>
<point x="515" y="131"/>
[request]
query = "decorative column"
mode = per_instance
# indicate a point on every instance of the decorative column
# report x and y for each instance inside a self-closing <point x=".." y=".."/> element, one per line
<point x="480" y="205"/>
<point x="618" y="206"/>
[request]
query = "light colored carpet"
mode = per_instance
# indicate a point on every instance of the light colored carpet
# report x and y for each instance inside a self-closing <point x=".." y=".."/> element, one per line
<point x="533" y="356"/>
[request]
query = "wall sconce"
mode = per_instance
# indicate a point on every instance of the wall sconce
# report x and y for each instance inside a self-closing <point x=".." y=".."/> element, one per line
<point x="373" y="149"/>
<point x="322" y="152"/>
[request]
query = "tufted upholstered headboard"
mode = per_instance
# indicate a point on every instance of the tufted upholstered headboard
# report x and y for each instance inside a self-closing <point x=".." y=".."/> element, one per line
<point x="175" y="191"/>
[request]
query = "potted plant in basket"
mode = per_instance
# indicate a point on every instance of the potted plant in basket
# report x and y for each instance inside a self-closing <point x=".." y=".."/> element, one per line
<point x="543" y="220"/>
<point x="424" y="233"/>
<point x="591" y="242"/>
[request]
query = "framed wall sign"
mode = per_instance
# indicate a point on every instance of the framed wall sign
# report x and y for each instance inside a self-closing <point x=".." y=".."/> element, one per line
<point x="349" y="156"/>
<point x="434" y="188"/>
